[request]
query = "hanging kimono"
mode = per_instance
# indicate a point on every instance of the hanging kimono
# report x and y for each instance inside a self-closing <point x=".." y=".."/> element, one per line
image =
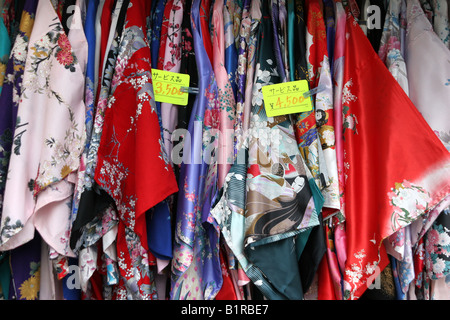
<point x="391" y="52"/>
<point x="325" y="122"/>
<point x="9" y="98"/>
<point x="255" y="13"/>
<point x="437" y="263"/>
<point x="279" y="202"/>
<point x="188" y="66"/>
<point x="123" y="170"/>
<point x="407" y="190"/>
<point x="159" y="229"/>
<point x="427" y="54"/>
<point x="225" y="150"/>
<point x="205" y="21"/>
<point x="88" y="100"/>
<point x="171" y="62"/>
<point x="232" y="13"/>
<point x="279" y="22"/>
<point x="96" y="218"/>
<point x="98" y="41"/>
<point x="241" y="69"/>
<point x="94" y="201"/>
<point x="48" y="144"/>
<point x="392" y="43"/>
<point x="244" y="78"/>
<point x="103" y="36"/>
<point x="305" y="125"/>
<point x="308" y="259"/>
<point x="27" y="257"/>
<point x="196" y="270"/>
<point x="418" y="37"/>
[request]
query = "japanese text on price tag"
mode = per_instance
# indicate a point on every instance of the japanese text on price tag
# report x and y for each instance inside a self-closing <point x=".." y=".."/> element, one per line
<point x="167" y="87"/>
<point x="286" y="98"/>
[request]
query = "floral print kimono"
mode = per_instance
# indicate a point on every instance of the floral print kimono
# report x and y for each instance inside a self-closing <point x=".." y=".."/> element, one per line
<point x="131" y="192"/>
<point x="334" y="261"/>
<point x="93" y="214"/>
<point x="196" y="270"/>
<point x="418" y="37"/>
<point x="278" y="202"/>
<point x="53" y="159"/>
<point x="24" y="260"/>
<point x="408" y="191"/>
<point x="225" y="149"/>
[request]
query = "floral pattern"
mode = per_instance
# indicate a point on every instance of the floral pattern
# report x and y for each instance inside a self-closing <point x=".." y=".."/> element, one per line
<point x="132" y="80"/>
<point x="350" y="120"/>
<point x="357" y="273"/>
<point x="58" y="141"/>
<point x="403" y="200"/>
<point x="437" y="248"/>
<point x="408" y="202"/>
<point x="29" y="289"/>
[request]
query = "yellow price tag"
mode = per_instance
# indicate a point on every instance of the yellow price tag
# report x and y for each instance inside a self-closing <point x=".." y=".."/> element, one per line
<point x="167" y="87"/>
<point x="286" y="98"/>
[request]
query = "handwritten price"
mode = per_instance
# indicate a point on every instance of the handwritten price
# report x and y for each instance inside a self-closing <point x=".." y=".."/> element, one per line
<point x="167" y="89"/>
<point x="286" y="98"/>
<point x="287" y="101"/>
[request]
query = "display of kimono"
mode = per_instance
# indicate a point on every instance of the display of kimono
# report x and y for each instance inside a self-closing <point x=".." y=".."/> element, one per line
<point x="277" y="178"/>
<point x="436" y="117"/>
<point x="28" y="256"/>
<point x="196" y="269"/>
<point x="110" y="191"/>
<point x="426" y="179"/>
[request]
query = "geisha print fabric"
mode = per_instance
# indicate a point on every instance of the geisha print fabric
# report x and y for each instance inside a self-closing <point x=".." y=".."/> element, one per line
<point x="123" y="169"/>
<point x="315" y="129"/>
<point x="279" y="200"/>
<point x="48" y="139"/>
<point x="320" y="75"/>
<point x="407" y="190"/>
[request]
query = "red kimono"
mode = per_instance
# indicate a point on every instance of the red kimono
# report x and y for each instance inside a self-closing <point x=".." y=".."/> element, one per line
<point x="132" y="165"/>
<point x="395" y="167"/>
